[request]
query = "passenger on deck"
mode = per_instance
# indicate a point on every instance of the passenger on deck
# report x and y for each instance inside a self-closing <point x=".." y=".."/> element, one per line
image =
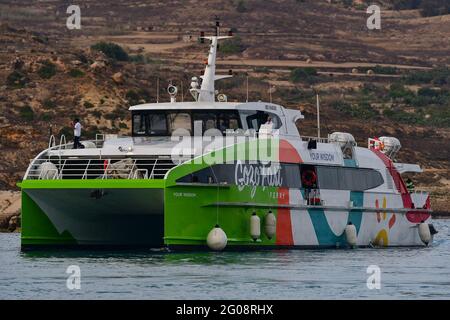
<point x="77" y="134"/>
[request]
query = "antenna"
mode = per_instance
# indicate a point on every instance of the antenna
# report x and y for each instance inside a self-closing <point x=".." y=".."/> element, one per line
<point x="207" y="90"/>
<point x="270" y="93"/>
<point x="157" y="90"/>
<point x="271" y="87"/>
<point x="318" y="115"/>
<point x="247" y="88"/>
<point x="182" y="92"/>
<point x="217" y="26"/>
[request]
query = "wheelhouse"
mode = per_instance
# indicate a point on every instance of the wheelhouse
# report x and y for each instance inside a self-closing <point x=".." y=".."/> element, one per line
<point x="156" y="121"/>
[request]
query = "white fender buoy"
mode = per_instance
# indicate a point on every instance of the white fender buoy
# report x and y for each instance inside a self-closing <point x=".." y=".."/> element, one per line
<point x="424" y="233"/>
<point x="270" y="226"/>
<point x="350" y="234"/>
<point x="255" y="226"/>
<point x="217" y="239"/>
<point x="47" y="171"/>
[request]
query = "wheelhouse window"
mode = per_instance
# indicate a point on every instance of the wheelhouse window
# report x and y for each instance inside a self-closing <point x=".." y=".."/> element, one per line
<point x="208" y="120"/>
<point x="157" y="124"/>
<point x="228" y="120"/>
<point x="139" y="124"/>
<point x="153" y="124"/>
<point x="166" y="122"/>
<point x="179" y="121"/>
<point x="256" y="120"/>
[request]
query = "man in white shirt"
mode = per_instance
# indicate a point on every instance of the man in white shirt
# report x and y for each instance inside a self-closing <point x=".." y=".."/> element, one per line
<point x="77" y="134"/>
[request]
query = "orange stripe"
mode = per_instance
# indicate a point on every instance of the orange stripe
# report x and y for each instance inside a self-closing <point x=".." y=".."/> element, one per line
<point x="284" y="225"/>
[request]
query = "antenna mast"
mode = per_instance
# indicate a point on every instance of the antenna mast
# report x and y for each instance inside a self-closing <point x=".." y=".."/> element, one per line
<point x="157" y="90"/>
<point x="318" y="116"/>
<point x="207" y="89"/>
<point x="247" y="88"/>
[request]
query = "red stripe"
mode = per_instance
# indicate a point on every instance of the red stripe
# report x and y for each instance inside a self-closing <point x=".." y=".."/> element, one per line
<point x="414" y="217"/>
<point x="284" y="225"/>
<point x="288" y="154"/>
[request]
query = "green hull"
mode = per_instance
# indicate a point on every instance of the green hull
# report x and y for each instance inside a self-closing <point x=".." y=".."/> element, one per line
<point x="133" y="213"/>
<point x="92" y="213"/>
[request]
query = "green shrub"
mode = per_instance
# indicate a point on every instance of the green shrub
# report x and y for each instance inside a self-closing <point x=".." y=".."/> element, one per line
<point x="384" y="70"/>
<point x="47" y="70"/>
<point x="134" y="97"/>
<point x="232" y="46"/>
<point x="433" y="96"/>
<point x="429" y="8"/>
<point x="111" y="116"/>
<point x="403" y="117"/>
<point x="307" y="74"/>
<point x="96" y="113"/>
<point x="76" y="73"/>
<point x="111" y="50"/>
<point x="361" y="110"/>
<point x="240" y="6"/>
<point x="17" y="80"/>
<point x="48" y="104"/>
<point x="398" y="91"/>
<point x="47" y="116"/>
<point x="406" y="4"/>
<point x="26" y="113"/>
<point x="123" y="125"/>
<point x="437" y="76"/>
<point x="262" y="69"/>
<point x="88" y="105"/>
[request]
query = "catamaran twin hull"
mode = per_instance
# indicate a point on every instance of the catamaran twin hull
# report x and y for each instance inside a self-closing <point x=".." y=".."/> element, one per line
<point x="313" y="205"/>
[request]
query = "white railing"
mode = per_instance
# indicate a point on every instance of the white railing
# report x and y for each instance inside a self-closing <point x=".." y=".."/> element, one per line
<point x="98" y="168"/>
<point x="320" y="140"/>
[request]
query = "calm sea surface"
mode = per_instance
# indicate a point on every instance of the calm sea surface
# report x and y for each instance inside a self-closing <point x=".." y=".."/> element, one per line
<point x="405" y="273"/>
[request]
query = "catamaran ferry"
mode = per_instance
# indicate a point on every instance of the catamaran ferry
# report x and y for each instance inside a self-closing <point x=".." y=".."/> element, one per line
<point x="218" y="175"/>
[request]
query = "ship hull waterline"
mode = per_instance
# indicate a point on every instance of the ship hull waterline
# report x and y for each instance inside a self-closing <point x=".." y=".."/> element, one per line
<point x="125" y="214"/>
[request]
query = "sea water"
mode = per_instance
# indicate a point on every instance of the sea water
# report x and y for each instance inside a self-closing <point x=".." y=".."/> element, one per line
<point x="404" y="273"/>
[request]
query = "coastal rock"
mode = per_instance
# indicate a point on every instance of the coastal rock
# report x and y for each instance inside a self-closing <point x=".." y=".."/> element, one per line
<point x="98" y="65"/>
<point x="9" y="211"/>
<point x="118" y="77"/>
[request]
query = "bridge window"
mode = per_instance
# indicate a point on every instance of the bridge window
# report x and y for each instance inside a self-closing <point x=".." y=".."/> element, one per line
<point x="157" y="123"/>
<point x="208" y="119"/>
<point x="228" y="120"/>
<point x="179" y="120"/>
<point x="139" y="124"/>
<point x="254" y="121"/>
<point x="165" y="122"/>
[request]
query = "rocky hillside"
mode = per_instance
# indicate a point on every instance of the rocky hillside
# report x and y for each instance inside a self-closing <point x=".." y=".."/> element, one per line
<point x="393" y="81"/>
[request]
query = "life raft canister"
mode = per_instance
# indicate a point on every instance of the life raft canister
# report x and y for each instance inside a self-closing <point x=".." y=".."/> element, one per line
<point x="309" y="178"/>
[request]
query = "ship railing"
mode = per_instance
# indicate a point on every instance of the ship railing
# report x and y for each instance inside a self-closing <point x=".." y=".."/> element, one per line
<point x="310" y="138"/>
<point x="98" y="168"/>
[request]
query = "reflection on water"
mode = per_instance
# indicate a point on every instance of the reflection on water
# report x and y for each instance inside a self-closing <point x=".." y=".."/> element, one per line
<point x="282" y="274"/>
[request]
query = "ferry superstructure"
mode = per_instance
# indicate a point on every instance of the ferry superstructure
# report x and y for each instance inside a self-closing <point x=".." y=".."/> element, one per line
<point x="218" y="175"/>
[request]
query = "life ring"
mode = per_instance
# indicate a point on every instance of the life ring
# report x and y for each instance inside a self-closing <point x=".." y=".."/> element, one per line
<point x="309" y="178"/>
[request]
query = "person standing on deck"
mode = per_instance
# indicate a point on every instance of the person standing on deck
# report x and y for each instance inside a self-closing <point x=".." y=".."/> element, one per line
<point x="77" y="134"/>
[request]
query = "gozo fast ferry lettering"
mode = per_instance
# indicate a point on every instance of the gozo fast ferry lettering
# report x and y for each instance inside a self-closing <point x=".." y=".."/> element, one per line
<point x="251" y="175"/>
